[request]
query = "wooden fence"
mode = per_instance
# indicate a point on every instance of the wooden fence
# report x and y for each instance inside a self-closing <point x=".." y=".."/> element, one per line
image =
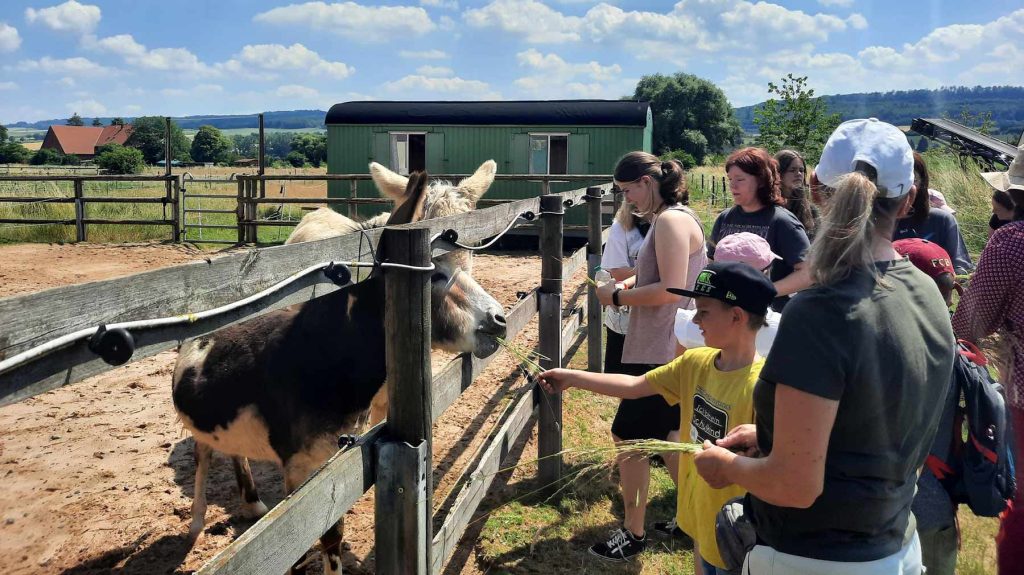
<point x="418" y="398"/>
<point x="81" y="221"/>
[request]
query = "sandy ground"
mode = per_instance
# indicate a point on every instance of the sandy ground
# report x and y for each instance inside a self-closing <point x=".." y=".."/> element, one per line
<point x="97" y="477"/>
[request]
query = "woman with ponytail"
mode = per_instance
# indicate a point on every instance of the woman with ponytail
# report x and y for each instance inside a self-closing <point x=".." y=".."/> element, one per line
<point x="849" y="398"/>
<point x="658" y="191"/>
<point x="995" y="302"/>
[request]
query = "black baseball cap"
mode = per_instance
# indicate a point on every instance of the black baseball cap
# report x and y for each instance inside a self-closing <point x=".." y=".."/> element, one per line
<point x="735" y="283"/>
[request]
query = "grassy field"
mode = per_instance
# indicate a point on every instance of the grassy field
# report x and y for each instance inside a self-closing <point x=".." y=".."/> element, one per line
<point x="531" y="535"/>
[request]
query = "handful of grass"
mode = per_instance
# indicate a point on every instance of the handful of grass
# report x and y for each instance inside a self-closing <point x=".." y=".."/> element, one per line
<point x="527" y="358"/>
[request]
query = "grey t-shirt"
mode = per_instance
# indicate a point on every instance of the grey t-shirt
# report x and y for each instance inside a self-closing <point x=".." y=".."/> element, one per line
<point x="885" y="353"/>
<point x="783" y="231"/>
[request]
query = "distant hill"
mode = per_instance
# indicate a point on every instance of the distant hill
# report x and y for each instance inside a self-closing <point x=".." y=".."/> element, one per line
<point x="900" y="108"/>
<point x="288" y="120"/>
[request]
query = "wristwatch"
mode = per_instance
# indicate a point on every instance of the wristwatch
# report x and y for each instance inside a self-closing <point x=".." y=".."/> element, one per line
<point x="615" y="296"/>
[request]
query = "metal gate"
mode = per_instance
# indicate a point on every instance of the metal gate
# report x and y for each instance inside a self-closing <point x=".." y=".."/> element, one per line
<point x="204" y="213"/>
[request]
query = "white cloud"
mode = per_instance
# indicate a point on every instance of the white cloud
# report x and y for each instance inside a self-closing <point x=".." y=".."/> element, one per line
<point x="437" y="71"/>
<point x="76" y="66"/>
<point x="5" y="86"/>
<point x="424" y="54"/>
<point x="446" y="4"/>
<point x="67" y="17"/>
<point x="294" y="92"/>
<point x="193" y="91"/>
<point x="132" y="109"/>
<point x="87" y="108"/>
<point x="457" y="88"/>
<point x="67" y="82"/>
<point x="552" y="76"/>
<point x="275" y="57"/>
<point x="354" y="21"/>
<point x="9" y="38"/>
<point x="136" y="54"/>
<point x="840" y="3"/>
<point x="536" y="22"/>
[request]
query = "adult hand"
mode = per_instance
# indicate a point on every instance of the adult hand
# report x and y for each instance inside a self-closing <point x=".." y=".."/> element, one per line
<point x="712" y="464"/>
<point x="604" y="292"/>
<point x="556" y="380"/>
<point x="741" y="439"/>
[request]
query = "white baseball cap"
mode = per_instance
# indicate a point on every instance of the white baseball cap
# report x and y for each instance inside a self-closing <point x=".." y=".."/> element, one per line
<point x="878" y="144"/>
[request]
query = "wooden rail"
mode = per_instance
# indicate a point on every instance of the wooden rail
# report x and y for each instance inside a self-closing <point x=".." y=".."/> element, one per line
<point x="287" y="531"/>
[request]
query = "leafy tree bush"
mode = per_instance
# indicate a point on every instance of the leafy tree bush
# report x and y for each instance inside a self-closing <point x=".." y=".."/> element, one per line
<point x="119" y="121"/>
<point x="118" y="159"/>
<point x="75" y="120"/>
<point x="312" y="146"/>
<point x="296" y="159"/>
<point x="685" y="105"/>
<point x="683" y="156"/>
<point x="797" y="120"/>
<point x="148" y="137"/>
<point x="46" y="157"/>
<point x="3" y="133"/>
<point x="246" y="145"/>
<point x="14" y="153"/>
<point x="210" y="145"/>
<point x="70" y="160"/>
<point x="96" y="122"/>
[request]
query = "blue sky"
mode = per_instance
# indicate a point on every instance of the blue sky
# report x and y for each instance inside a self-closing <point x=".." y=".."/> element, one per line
<point x="145" y="57"/>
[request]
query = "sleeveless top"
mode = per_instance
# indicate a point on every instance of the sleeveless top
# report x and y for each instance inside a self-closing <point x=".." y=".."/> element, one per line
<point x="651" y="339"/>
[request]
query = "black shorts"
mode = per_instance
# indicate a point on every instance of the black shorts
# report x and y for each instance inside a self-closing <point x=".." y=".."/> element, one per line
<point x="645" y="418"/>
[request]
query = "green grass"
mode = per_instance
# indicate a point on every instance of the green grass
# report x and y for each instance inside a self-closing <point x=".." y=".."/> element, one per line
<point x="191" y="132"/>
<point x="533" y="535"/>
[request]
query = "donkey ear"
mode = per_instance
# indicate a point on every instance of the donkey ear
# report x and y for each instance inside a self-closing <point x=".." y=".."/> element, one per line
<point x="476" y="185"/>
<point x="391" y="185"/>
<point x="411" y="210"/>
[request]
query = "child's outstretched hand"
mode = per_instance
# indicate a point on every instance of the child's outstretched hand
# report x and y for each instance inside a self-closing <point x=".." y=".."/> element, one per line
<point x="556" y="380"/>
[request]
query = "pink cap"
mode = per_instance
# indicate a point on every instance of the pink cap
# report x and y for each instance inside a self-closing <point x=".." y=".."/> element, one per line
<point x="938" y="201"/>
<point x="745" y="247"/>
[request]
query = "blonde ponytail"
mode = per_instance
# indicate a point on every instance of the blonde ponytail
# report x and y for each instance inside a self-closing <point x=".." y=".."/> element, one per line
<point x="854" y="217"/>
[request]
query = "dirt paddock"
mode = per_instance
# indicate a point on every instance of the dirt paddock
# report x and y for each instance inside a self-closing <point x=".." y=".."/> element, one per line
<point x="96" y="477"/>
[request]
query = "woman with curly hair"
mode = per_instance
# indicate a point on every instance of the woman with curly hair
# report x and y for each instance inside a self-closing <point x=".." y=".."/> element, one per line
<point x="756" y="191"/>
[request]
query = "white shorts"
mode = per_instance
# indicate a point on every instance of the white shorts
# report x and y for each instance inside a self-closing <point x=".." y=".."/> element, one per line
<point x="763" y="560"/>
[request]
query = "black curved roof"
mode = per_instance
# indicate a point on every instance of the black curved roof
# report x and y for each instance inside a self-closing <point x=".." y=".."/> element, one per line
<point x="516" y="113"/>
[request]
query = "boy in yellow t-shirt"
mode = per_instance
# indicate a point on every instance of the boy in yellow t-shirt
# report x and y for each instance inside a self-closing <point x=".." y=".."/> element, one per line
<point x="714" y="389"/>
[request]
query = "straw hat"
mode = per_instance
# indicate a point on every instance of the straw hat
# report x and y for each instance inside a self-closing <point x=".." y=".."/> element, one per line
<point x="1013" y="178"/>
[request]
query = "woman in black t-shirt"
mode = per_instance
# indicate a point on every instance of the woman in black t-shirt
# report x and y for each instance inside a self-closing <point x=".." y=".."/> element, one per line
<point x="849" y="397"/>
<point x="793" y="171"/>
<point x="755" y="185"/>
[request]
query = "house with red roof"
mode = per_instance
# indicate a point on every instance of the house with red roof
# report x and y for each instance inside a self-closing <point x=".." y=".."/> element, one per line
<point x="82" y="141"/>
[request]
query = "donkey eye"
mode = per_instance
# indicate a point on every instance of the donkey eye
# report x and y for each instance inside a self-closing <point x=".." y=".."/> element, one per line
<point x="438" y="277"/>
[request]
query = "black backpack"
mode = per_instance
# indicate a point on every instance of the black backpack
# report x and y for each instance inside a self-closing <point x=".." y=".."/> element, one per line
<point x="978" y="470"/>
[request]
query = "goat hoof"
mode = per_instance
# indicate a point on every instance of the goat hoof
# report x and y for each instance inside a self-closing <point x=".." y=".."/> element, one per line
<point x="254" y="510"/>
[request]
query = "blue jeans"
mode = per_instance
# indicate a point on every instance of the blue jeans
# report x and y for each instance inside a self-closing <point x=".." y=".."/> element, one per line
<point x="708" y="568"/>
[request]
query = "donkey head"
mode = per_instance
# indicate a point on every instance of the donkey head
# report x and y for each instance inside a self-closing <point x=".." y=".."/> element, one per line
<point x="464" y="317"/>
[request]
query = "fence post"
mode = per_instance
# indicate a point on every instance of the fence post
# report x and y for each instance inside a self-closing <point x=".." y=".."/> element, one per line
<point x="250" y="212"/>
<point x="353" y="193"/>
<point x="549" y="433"/>
<point x="79" y="186"/>
<point x="403" y="489"/>
<point x="594" y="324"/>
<point x="175" y="199"/>
<point x="240" y="210"/>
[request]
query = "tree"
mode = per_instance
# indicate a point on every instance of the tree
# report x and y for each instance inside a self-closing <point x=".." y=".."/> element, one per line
<point x="96" y="122"/>
<point x="46" y="157"/>
<point x="3" y="133"/>
<point x="296" y="159"/>
<point x="148" y="137"/>
<point x="14" y="153"/>
<point x="684" y="106"/>
<point x="982" y="121"/>
<point x="209" y="145"/>
<point x="798" y="120"/>
<point x="278" y="144"/>
<point x="118" y="121"/>
<point x="312" y="146"/>
<point x="118" y="159"/>
<point x="75" y="120"/>
<point x="245" y="145"/>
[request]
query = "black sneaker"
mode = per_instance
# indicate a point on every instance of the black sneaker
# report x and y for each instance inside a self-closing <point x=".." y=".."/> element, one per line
<point x="620" y="547"/>
<point x="669" y="529"/>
